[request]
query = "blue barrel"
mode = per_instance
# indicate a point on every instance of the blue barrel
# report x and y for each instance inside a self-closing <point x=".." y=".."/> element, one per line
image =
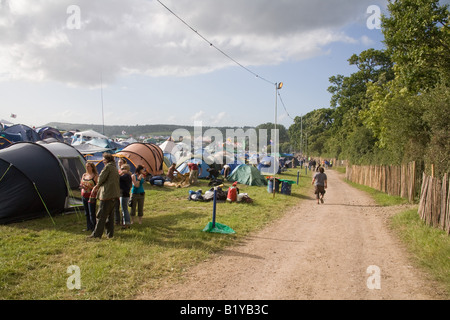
<point x="270" y="185"/>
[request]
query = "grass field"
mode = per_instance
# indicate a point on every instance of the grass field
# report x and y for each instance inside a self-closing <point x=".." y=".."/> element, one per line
<point x="35" y="255"/>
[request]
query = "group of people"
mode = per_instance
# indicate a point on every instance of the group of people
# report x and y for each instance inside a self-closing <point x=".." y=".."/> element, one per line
<point x="193" y="172"/>
<point x="116" y="189"/>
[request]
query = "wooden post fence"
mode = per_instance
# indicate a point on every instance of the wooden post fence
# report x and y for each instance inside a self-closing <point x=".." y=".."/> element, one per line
<point x="394" y="180"/>
<point x="434" y="206"/>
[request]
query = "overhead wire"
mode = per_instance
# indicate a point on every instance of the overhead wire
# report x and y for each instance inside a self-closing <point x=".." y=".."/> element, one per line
<point x="224" y="53"/>
<point x="279" y="95"/>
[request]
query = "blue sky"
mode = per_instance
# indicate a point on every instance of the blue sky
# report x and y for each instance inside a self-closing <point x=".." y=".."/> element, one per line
<point x="155" y="70"/>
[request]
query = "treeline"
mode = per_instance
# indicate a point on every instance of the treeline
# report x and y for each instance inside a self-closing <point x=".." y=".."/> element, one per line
<point x="396" y="107"/>
<point x="164" y="130"/>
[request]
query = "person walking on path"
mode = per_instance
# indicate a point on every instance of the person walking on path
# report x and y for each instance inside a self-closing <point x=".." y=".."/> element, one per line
<point x="320" y="182"/>
<point x="108" y="192"/>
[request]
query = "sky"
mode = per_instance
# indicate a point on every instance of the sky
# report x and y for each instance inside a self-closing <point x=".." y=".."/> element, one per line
<point x="134" y="62"/>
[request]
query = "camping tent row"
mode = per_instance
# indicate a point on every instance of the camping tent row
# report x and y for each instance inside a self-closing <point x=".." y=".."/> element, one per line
<point x="20" y="133"/>
<point x="37" y="179"/>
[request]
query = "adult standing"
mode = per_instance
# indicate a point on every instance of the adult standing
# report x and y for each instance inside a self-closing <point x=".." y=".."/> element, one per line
<point x="138" y="193"/>
<point x="87" y="183"/>
<point x="193" y="172"/>
<point x="125" y="187"/>
<point x="320" y="183"/>
<point x="108" y="194"/>
<point x="117" y="215"/>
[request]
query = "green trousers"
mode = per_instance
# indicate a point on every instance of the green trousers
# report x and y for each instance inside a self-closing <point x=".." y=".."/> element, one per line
<point x="105" y="218"/>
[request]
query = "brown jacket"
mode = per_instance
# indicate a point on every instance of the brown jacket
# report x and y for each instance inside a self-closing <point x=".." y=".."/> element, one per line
<point x="108" y="183"/>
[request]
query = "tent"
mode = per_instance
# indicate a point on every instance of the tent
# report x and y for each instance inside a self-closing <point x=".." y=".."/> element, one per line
<point x="7" y="139"/>
<point x="247" y="174"/>
<point x="49" y="132"/>
<point x="72" y="161"/>
<point x="167" y="145"/>
<point x="84" y="136"/>
<point x="32" y="183"/>
<point x="21" y="132"/>
<point x="266" y="165"/>
<point x="149" y="155"/>
<point x="202" y="167"/>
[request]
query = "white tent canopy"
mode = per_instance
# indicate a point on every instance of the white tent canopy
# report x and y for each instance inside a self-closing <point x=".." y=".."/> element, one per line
<point x="167" y="146"/>
<point x="83" y="136"/>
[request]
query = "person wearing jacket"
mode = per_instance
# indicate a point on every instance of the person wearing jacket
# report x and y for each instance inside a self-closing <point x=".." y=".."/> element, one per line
<point x="108" y="193"/>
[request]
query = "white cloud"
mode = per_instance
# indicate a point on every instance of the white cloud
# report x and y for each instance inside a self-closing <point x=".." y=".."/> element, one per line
<point x="117" y="37"/>
<point x="367" y="41"/>
<point x="198" y="116"/>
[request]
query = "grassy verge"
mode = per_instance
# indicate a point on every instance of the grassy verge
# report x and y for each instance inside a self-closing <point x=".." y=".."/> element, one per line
<point x="35" y="255"/>
<point x="340" y="169"/>
<point x="429" y="247"/>
<point x="381" y="198"/>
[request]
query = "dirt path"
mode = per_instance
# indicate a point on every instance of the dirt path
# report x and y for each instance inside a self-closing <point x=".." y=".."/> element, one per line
<point x="313" y="252"/>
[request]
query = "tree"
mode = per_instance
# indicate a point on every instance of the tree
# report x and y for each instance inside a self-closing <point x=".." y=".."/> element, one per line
<point x="418" y="38"/>
<point x="349" y="99"/>
<point x="283" y="135"/>
<point x="315" y="126"/>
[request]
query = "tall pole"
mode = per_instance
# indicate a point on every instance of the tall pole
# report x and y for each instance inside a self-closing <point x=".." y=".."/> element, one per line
<point x="301" y="135"/>
<point x="274" y="139"/>
<point x="101" y="93"/>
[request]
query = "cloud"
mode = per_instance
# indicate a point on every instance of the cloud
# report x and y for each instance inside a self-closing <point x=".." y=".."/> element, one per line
<point x="42" y="40"/>
<point x="198" y="116"/>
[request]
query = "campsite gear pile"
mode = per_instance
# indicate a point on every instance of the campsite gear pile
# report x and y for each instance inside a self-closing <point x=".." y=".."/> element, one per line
<point x="232" y="195"/>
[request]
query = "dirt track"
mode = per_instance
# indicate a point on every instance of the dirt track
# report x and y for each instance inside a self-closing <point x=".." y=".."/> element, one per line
<point x="313" y="252"/>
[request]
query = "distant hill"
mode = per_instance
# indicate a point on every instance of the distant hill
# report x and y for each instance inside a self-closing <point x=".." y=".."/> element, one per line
<point x="135" y="131"/>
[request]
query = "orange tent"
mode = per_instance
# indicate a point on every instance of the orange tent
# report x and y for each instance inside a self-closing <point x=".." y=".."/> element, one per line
<point x="149" y="155"/>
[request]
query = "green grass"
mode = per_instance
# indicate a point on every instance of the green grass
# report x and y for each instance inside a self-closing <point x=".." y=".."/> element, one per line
<point x="381" y="198"/>
<point x="428" y="246"/>
<point x="35" y="254"/>
<point x="340" y="169"/>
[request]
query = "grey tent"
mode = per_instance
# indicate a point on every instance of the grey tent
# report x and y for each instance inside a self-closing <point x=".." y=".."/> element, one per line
<point x="33" y="182"/>
<point x="72" y="162"/>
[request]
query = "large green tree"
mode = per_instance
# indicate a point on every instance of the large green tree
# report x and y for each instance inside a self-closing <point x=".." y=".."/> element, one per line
<point x="408" y="114"/>
<point x="417" y="36"/>
<point x="349" y="99"/>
